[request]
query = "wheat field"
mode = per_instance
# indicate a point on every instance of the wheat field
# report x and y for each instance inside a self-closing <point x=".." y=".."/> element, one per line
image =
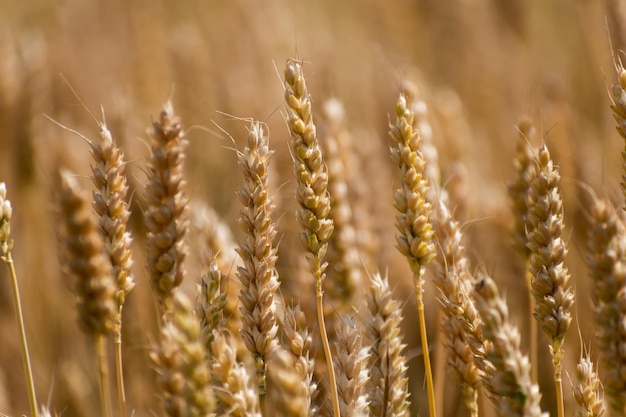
<point x="330" y="208"/>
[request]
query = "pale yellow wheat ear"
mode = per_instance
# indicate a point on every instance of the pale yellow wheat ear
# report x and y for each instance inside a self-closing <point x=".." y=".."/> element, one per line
<point x="462" y="324"/>
<point x="165" y="212"/>
<point x="618" y="105"/>
<point x="109" y="202"/>
<point x="258" y="275"/>
<point x="84" y="259"/>
<point x="387" y="387"/>
<point x="312" y="195"/>
<point x="553" y="295"/>
<point x="518" y="191"/>
<point x="587" y="392"/>
<point x="414" y="231"/>
<point x="513" y="392"/>
<point x="286" y="394"/>
<point x="180" y="361"/>
<point x="6" y="247"/>
<point x="606" y="257"/>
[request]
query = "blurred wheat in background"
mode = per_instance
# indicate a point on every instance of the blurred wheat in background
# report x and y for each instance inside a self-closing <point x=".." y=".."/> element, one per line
<point x="207" y="208"/>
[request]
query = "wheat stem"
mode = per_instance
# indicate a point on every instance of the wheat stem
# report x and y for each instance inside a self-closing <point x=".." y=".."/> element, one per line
<point x="103" y="374"/>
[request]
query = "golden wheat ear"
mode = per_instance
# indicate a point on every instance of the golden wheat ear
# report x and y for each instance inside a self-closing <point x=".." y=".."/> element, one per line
<point x="415" y="234"/>
<point x="165" y="213"/>
<point x="587" y="393"/>
<point x="312" y="196"/>
<point x="258" y="275"/>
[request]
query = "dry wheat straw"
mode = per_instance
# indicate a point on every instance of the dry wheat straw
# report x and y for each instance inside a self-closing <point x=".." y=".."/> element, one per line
<point x="235" y="393"/>
<point x="588" y="401"/>
<point x="554" y="297"/>
<point x="351" y="364"/>
<point x="84" y="259"/>
<point x="415" y="234"/>
<point x="518" y="191"/>
<point x="514" y="394"/>
<point x="258" y="275"/>
<point x="388" y="384"/>
<point x="312" y="196"/>
<point x="286" y="395"/>
<point x="183" y="374"/>
<point x="607" y="264"/>
<point x="6" y="247"/>
<point x="464" y="342"/>
<point x="109" y="202"/>
<point x="166" y="205"/>
<point x="298" y="342"/>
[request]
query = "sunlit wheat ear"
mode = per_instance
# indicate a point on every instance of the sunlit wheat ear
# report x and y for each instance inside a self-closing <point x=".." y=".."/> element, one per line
<point x="414" y="231"/>
<point x="462" y="324"/>
<point x="183" y="374"/>
<point x="387" y="387"/>
<point x="312" y="196"/>
<point x="618" y="105"/>
<point x="298" y="342"/>
<point x="286" y="394"/>
<point x="513" y="392"/>
<point x="166" y="205"/>
<point x="550" y="287"/>
<point x="587" y="392"/>
<point x="606" y="258"/>
<point x="236" y="394"/>
<point x="351" y="364"/>
<point x="258" y="275"/>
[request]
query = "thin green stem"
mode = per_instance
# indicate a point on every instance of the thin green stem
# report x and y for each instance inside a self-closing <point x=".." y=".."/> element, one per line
<point x="103" y="375"/>
<point x="332" y="380"/>
<point x="119" y="372"/>
<point x="424" y="337"/>
<point x="32" y="398"/>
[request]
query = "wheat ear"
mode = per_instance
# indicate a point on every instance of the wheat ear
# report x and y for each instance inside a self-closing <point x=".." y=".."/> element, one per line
<point x="461" y="325"/>
<point x="415" y="234"/>
<point x="351" y="363"/>
<point x="286" y="394"/>
<point x="518" y="191"/>
<point x="618" y="105"/>
<point x="109" y="202"/>
<point x="588" y="392"/>
<point x="166" y="205"/>
<point x="6" y="247"/>
<point x="210" y="305"/>
<point x="183" y="374"/>
<point x="388" y="384"/>
<point x="258" y="275"/>
<point x="513" y="393"/>
<point x="550" y="287"/>
<point x="85" y="260"/>
<point x="312" y="196"/>
<point x="607" y="264"/>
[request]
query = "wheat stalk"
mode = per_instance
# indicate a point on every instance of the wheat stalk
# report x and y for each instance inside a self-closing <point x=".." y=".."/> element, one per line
<point x="6" y="247"/>
<point x="415" y="234"/>
<point x="312" y="196"/>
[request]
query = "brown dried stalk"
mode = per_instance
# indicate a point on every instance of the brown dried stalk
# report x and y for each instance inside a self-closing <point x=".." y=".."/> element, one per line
<point x="415" y="234"/>
<point x="312" y="196"/>
<point x="554" y="297"/>
<point x="183" y="374"/>
<point x="607" y="264"/>
<point x="258" y="275"/>
<point x="513" y="393"/>
<point x="166" y="206"/>
<point x="388" y="384"/>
